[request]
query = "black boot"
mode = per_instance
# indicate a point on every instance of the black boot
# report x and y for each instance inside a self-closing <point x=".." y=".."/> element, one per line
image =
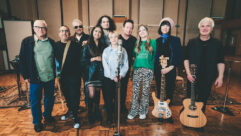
<point x="97" y="103"/>
<point x="90" y="111"/>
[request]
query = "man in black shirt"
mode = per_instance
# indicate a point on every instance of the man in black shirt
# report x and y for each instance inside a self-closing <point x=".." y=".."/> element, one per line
<point x="78" y="38"/>
<point x="69" y="69"/>
<point x="128" y="42"/>
<point x="206" y="53"/>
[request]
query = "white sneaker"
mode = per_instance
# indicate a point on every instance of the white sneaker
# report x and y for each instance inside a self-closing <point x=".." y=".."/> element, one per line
<point x="143" y="116"/>
<point x="64" y="117"/>
<point x="76" y="125"/>
<point x="130" y="117"/>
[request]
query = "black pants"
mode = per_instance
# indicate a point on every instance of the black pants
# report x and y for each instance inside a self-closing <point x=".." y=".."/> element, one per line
<point x="70" y="86"/>
<point x="202" y="91"/>
<point x="123" y="92"/>
<point x="170" y="83"/>
<point x="109" y="94"/>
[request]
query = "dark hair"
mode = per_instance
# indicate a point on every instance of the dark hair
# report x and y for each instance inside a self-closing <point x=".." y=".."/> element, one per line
<point x="162" y="24"/>
<point x="111" y="22"/>
<point x="96" y="50"/>
<point x="128" y="21"/>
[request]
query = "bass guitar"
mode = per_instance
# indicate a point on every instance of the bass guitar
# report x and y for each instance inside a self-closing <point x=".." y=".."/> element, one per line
<point x="192" y="115"/>
<point x="161" y="108"/>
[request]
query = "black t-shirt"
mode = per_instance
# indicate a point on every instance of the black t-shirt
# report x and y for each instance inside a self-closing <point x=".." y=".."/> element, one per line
<point x="72" y="61"/>
<point x="129" y="45"/>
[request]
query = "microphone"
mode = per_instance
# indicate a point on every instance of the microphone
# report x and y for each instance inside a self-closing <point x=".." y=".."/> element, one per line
<point x="119" y="48"/>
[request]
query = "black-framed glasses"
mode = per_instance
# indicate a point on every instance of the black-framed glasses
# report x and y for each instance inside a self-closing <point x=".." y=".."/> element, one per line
<point x="39" y="27"/>
<point x="80" y="26"/>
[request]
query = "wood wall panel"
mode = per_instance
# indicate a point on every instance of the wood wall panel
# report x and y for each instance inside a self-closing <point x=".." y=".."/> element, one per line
<point x="49" y="10"/>
<point x="98" y="8"/>
<point x="171" y="10"/>
<point x="150" y="13"/>
<point x="24" y="9"/>
<point x="197" y="9"/>
<point x="122" y="7"/>
<point x="70" y="12"/>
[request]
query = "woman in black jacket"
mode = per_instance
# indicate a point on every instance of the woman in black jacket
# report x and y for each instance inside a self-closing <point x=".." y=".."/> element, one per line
<point x="92" y="53"/>
<point x="168" y="46"/>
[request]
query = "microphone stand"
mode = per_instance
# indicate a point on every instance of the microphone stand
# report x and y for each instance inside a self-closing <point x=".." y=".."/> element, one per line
<point x="117" y="103"/>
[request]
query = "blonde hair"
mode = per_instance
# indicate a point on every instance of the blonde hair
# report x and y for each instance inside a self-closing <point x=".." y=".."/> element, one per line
<point x="113" y="33"/>
<point x="40" y="21"/>
<point x="206" y="19"/>
<point x="148" y="46"/>
<point x="76" y="21"/>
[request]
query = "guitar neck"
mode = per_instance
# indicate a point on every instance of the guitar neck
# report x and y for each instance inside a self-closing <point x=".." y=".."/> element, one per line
<point x="163" y="88"/>
<point x="192" y="94"/>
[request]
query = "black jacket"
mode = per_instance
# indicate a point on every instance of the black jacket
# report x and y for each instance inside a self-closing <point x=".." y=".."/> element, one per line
<point x="214" y="55"/>
<point x="27" y="62"/>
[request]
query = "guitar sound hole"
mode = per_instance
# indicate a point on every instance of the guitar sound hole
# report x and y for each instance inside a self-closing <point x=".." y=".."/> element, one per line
<point x="191" y="107"/>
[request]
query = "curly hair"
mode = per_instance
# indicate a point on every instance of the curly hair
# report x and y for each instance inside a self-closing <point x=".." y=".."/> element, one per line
<point x="111" y="22"/>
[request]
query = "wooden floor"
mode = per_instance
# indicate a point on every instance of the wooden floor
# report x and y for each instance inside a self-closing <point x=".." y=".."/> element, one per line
<point x="15" y="123"/>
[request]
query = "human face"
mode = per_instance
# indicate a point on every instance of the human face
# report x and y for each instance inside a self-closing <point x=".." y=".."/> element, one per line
<point x="205" y="29"/>
<point x="143" y="32"/>
<point x="78" y="27"/>
<point x="64" y="34"/>
<point x="165" y="29"/>
<point x="105" y="23"/>
<point x="113" y="39"/>
<point x="97" y="33"/>
<point x="128" y="28"/>
<point x="40" y="29"/>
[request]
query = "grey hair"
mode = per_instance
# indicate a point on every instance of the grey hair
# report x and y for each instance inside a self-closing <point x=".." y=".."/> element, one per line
<point x="206" y="19"/>
<point x="40" y="21"/>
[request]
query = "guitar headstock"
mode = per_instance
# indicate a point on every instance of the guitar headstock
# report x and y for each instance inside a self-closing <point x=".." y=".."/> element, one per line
<point x="193" y="70"/>
<point x="163" y="61"/>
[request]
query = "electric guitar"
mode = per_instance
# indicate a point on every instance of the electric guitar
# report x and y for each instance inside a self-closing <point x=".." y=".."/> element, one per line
<point x="161" y="108"/>
<point x="192" y="115"/>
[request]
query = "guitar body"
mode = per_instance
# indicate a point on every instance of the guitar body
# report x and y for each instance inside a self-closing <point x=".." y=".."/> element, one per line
<point x="193" y="118"/>
<point x="161" y="109"/>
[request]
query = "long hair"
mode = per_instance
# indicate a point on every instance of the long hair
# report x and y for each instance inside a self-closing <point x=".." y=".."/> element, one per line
<point x="96" y="50"/>
<point x="139" y="42"/>
<point x="112" y="26"/>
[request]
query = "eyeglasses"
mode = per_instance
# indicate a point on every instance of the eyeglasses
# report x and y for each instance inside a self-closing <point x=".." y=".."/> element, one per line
<point x="64" y="31"/>
<point x="39" y="27"/>
<point x="80" y="26"/>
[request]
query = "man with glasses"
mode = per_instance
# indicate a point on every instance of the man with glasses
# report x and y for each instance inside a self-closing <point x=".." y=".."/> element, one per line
<point x="37" y="66"/>
<point x="78" y="38"/>
<point x="68" y="56"/>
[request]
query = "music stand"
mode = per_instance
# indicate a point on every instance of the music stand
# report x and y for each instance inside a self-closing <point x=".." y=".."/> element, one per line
<point x="223" y="108"/>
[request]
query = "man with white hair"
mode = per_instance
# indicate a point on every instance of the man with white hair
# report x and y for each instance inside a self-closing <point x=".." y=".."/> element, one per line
<point x="78" y="38"/>
<point x="206" y="53"/>
<point x="37" y="66"/>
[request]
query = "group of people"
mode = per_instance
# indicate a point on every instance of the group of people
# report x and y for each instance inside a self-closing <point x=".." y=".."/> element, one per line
<point x="96" y="57"/>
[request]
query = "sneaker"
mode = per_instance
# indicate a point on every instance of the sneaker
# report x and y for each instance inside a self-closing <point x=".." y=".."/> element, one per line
<point x="67" y="116"/>
<point x="38" y="127"/>
<point x="76" y="125"/>
<point x="130" y="117"/>
<point x="76" y="122"/>
<point x="142" y="116"/>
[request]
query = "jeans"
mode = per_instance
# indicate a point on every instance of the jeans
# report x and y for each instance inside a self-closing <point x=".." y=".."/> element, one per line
<point x="35" y="94"/>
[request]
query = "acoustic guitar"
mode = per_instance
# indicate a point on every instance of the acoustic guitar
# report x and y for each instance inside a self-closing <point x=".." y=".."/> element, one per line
<point x="192" y="115"/>
<point x="161" y="108"/>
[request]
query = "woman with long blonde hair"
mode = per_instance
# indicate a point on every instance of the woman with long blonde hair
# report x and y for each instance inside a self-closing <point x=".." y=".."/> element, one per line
<point x="143" y="68"/>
